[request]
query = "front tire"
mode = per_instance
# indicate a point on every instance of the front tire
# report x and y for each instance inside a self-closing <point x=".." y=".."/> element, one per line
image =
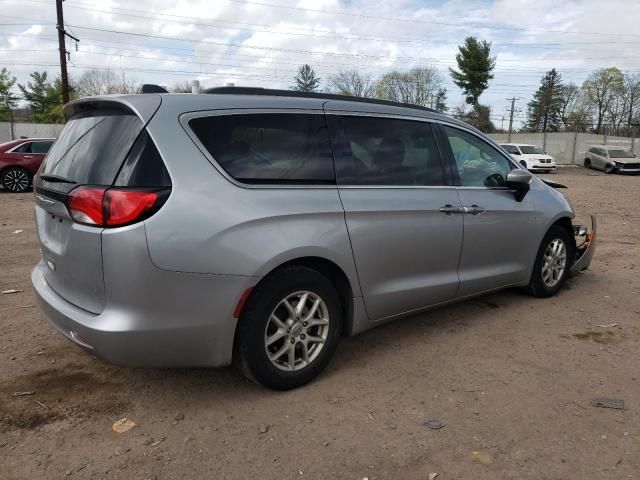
<point x="552" y="263"/>
<point x="289" y="329"/>
<point x="587" y="163"/>
<point x="16" y="180"/>
<point x="610" y="169"/>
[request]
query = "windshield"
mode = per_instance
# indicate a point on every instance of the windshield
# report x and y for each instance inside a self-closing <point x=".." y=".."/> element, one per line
<point x="620" y="154"/>
<point x="530" y="149"/>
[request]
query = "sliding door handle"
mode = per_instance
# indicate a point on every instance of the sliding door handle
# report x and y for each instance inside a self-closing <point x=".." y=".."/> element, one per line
<point x="449" y="209"/>
<point x="473" y="209"/>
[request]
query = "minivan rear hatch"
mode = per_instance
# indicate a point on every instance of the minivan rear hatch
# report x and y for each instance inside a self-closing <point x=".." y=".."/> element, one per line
<point x="90" y="151"/>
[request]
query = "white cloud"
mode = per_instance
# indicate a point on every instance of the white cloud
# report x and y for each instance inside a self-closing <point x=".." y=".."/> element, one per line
<point x="256" y="44"/>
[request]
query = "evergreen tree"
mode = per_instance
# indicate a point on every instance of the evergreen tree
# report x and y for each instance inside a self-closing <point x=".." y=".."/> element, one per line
<point x="475" y="65"/>
<point x="8" y="99"/>
<point x="36" y="92"/>
<point x="545" y="110"/>
<point x="306" y="79"/>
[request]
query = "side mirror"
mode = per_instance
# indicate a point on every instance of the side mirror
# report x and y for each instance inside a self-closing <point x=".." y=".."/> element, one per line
<point x="520" y="181"/>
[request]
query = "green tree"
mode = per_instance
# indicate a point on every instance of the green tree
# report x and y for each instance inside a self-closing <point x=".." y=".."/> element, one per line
<point x="45" y="98"/>
<point x="475" y="65"/>
<point x="601" y="91"/>
<point x="8" y="99"/>
<point x="306" y="79"/>
<point x="480" y="117"/>
<point x="545" y="110"/>
<point x="440" y="101"/>
<point x="35" y="92"/>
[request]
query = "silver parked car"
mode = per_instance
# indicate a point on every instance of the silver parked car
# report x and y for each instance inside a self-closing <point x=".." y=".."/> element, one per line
<point x="259" y="226"/>
<point x="611" y="159"/>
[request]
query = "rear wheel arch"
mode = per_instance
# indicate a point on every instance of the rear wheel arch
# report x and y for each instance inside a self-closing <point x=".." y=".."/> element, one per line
<point x="334" y="273"/>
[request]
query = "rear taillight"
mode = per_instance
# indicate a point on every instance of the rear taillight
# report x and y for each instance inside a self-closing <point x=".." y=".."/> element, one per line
<point x="114" y="207"/>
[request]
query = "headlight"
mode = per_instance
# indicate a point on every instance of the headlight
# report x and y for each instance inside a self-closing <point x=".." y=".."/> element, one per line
<point x="618" y="164"/>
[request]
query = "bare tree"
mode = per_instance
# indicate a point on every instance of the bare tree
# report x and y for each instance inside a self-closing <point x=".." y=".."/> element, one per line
<point x="352" y="82"/>
<point x="182" y="87"/>
<point x="632" y="94"/>
<point x="571" y="99"/>
<point x="601" y="90"/>
<point x="105" y="82"/>
<point x="418" y="86"/>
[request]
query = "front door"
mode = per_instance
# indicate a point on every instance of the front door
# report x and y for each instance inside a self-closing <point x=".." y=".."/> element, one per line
<point x="392" y="186"/>
<point x="499" y="231"/>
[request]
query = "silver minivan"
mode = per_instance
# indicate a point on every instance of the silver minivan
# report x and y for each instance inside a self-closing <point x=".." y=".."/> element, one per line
<point x="260" y="226"/>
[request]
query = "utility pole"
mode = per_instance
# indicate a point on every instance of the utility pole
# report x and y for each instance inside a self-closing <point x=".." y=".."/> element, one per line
<point x="63" y="51"/>
<point x="502" y="123"/>
<point x="513" y="102"/>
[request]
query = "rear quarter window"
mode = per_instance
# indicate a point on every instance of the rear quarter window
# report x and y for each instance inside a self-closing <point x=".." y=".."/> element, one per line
<point x="269" y="148"/>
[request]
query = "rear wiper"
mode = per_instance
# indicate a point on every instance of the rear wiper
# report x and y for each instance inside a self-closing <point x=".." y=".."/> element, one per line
<point x="55" y="178"/>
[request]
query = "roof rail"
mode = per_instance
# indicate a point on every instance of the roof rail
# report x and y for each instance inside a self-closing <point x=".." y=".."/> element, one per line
<point x="295" y="93"/>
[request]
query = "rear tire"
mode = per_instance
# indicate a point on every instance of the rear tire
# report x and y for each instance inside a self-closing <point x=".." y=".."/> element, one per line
<point x="552" y="264"/>
<point x="16" y="179"/>
<point x="280" y="343"/>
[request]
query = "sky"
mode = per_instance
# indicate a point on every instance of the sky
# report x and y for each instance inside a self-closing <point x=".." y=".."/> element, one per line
<point x="262" y="42"/>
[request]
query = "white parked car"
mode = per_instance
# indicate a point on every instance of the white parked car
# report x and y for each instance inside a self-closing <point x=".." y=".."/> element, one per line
<point x="530" y="157"/>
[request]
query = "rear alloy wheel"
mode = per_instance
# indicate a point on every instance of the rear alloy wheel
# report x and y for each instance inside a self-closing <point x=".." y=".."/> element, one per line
<point x="289" y="329"/>
<point x="16" y="179"/>
<point x="552" y="263"/>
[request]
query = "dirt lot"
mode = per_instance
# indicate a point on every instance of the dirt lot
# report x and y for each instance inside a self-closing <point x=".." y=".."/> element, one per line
<point x="510" y="376"/>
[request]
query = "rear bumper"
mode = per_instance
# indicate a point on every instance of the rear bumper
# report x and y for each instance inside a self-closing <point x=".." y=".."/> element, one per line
<point x="158" y="337"/>
<point x="585" y="252"/>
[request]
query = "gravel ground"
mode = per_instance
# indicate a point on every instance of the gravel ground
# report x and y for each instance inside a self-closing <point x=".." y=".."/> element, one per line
<point x="510" y="377"/>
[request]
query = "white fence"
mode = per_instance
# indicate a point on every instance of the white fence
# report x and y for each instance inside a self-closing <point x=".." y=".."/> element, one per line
<point x="42" y="130"/>
<point x="568" y="148"/>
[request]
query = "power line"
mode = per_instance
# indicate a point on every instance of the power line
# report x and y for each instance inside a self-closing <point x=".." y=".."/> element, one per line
<point x="151" y="15"/>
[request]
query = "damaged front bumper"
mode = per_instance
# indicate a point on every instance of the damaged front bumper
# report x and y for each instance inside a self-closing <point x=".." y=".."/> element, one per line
<point x="586" y="249"/>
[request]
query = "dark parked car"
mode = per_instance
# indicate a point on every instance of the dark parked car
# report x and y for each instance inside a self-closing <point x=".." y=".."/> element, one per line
<point x="20" y="160"/>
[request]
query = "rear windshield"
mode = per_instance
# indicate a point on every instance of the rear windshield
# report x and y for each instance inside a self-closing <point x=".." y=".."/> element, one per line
<point x="91" y="148"/>
<point x="620" y="154"/>
<point x="531" y="150"/>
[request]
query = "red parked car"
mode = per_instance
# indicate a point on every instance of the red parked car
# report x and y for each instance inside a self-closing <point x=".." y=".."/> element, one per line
<point x="20" y="160"/>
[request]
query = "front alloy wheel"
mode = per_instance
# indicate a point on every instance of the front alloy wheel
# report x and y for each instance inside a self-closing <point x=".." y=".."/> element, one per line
<point x="554" y="262"/>
<point x="16" y="180"/>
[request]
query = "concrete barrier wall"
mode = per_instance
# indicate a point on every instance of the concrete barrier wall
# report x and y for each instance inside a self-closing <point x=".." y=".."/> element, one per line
<point x="45" y="130"/>
<point x="569" y="148"/>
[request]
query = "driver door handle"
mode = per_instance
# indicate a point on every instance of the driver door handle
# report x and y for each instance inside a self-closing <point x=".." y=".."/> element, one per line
<point x="28" y="156"/>
<point x="448" y="209"/>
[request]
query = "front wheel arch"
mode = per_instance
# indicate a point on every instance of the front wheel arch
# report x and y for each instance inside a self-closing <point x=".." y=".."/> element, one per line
<point x="524" y="164"/>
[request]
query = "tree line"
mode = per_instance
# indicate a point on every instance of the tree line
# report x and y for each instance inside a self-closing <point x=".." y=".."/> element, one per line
<point x="608" y="101"/>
